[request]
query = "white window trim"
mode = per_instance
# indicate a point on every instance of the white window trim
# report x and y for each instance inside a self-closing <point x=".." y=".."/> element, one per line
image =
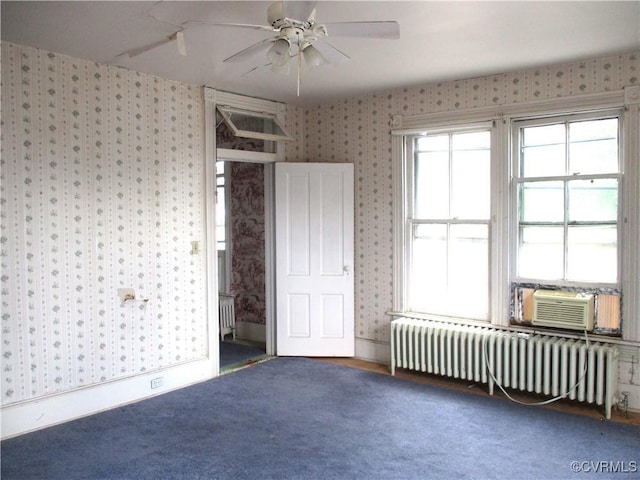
<point x="501" y="223"/>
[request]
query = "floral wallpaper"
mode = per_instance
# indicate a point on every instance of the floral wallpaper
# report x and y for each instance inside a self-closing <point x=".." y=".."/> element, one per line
<point x="294" y="125"/>
<point x="102" y="187"/>
<point x="357" y="130"/>
<point x="247" y="233"/>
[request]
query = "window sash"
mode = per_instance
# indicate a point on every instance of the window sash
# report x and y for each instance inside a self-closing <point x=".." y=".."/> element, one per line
<point x="257" y="125"/>
<point x="567" y="223"/>
<point x="455" y="266"/>
<point x="422" y="293"/>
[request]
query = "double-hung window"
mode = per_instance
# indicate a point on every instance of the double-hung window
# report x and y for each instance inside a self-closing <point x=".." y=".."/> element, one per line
<point x="567" y="191"/>
<point x="448" y="222"/>
<point x="492" y="206"/>
<point x="567" y="195"/>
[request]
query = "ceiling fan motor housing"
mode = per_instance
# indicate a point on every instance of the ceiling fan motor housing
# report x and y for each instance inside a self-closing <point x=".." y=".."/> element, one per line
<point x="294" y="35"/>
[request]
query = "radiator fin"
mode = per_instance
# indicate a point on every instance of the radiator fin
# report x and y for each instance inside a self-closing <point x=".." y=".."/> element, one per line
<point x="535" y="363"/>
<point x="227" y="315"/>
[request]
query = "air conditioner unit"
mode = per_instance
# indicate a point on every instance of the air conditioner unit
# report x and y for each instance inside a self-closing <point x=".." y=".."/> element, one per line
<point x="553" y="308"/>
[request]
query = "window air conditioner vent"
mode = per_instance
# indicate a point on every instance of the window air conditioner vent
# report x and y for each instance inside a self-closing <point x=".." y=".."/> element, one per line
<point x="563" y="309"/>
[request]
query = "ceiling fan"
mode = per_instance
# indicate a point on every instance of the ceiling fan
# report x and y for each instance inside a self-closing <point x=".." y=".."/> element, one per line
<point x="293" y="39"/>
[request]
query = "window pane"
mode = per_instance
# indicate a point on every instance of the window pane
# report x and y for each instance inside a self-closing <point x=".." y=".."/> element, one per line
<point x="592" y="254"/>
<point x="431" y="185"/>
<point x="470" y="175"/>
<point x="428" y="282"/>
<point x="543" y="151"/>
<point x="599" y="156"/>
<point x="472" y="141"/>
<point x="220" y="207"/>
<point x="469" y="270"/>
<point x="226" y="139"/>
<point x="470" y="182"/>
<point x="594" y="130"/>
<point x="220" y="218"/>
<point x="593" y="200"/>
<point x="444" y="268"/>
<point x="594" y="146"/>
<point x="541" y="253"/>
<point x="543" y="161"/>
<point x="433" y="143"/>
<point x="542" y="202"/>
<point x="543" y="135"/>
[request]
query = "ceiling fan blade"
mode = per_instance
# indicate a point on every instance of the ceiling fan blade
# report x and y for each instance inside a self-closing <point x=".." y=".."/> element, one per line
<point x="254" y="70"/>
<point x="182" y="46"/>
<point x="140" y="50"/>
<point x="233" y="25"/>
<point x="250" y="51"/>
<point x="330" y="53"/>
<point x="298" y="10"/>
<point x="178" y="37"/>
<point x="388" y="29"/>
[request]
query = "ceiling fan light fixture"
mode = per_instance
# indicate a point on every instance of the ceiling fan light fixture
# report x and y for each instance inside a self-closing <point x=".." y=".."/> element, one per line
<point x="284" y="70"/>
<point x="312" y="57"/>
<point x="278" y="54"/>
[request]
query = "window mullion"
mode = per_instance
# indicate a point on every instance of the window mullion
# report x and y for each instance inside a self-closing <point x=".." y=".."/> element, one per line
<point x="450" y="167"/>
<point x="565" y="226"/>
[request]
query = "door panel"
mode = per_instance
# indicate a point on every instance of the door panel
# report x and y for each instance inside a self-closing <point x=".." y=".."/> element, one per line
<point x="314" y="259"/>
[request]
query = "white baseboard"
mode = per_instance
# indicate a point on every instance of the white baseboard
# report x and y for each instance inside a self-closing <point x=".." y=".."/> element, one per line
<point x="373" y="351"/>
<point x="255" y="332"/>
<point x="24" y="417"/>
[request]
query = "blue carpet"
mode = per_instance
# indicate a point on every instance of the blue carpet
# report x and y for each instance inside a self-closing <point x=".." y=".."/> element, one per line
<point x="294" y="418"/>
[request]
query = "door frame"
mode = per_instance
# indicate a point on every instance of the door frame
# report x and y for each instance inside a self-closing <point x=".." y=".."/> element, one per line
<point x="211" y="98"/>
<point x="269" y="247"/>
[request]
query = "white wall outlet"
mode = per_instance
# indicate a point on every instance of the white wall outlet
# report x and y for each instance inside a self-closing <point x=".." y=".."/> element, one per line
<point x="157" y="382"/>
<point x="195" y="247"/>
<point x="126" y="294"/>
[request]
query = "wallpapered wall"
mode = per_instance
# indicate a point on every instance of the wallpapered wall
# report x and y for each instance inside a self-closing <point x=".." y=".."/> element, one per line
<point x="102" y="188"/>
<point x="247" y="233"/>
<point x="357" y="130"/>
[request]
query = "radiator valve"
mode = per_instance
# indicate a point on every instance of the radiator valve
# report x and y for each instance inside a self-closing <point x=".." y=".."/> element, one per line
<point x="623" y="403"/>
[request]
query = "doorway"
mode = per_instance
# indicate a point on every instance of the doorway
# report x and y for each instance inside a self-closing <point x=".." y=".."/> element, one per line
<point x="241" y="233"/>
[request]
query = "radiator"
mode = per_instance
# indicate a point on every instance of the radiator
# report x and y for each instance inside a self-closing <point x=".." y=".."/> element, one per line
<point x="533" y="363"/>
<point x="227" y="315"/>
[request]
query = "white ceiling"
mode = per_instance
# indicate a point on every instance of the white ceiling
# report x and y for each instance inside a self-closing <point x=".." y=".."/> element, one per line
<point x="439" y="41"/>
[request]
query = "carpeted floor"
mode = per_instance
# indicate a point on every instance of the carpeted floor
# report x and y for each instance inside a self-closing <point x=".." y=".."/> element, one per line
<point x="236" y="354"/>
<point x="295" y="418"/>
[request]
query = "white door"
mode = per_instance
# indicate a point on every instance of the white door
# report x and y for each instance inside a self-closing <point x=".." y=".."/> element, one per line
<point x="314" y="259"/>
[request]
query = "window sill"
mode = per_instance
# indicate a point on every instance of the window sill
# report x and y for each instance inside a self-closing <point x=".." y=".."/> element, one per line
<point x="597" y="337"/>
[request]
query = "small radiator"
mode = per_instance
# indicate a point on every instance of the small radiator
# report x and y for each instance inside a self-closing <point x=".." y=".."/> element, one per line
<point x="533" y="363"/>
<point x="227" y="315"/>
